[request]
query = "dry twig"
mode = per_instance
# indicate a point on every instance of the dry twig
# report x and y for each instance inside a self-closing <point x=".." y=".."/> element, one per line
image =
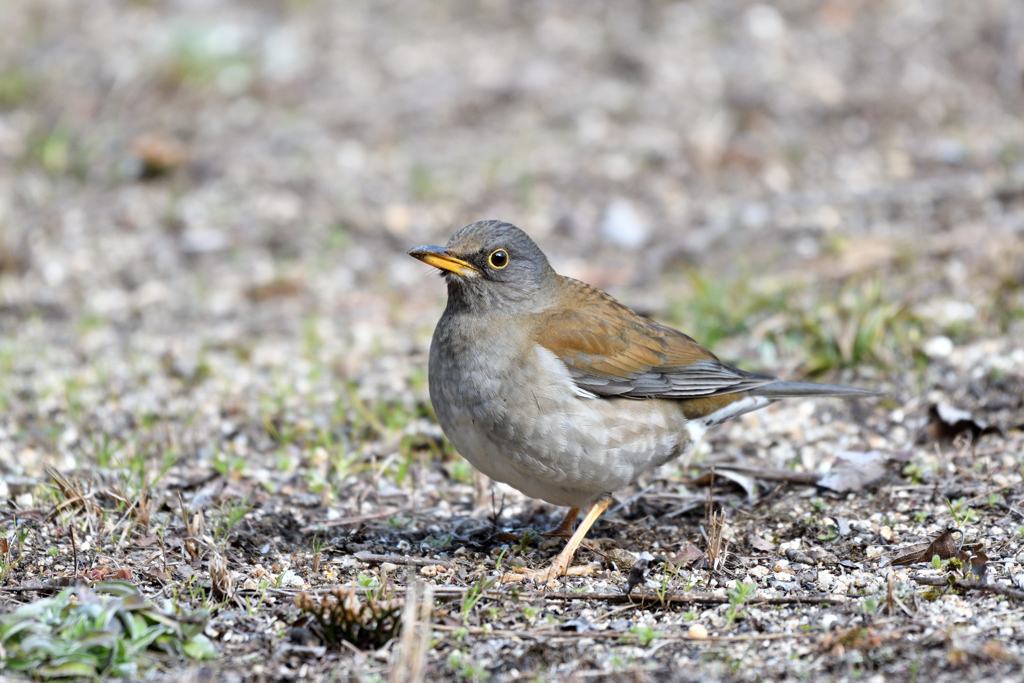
<point x="548" y="634"/>
<point x="411" y="661"/>
<point x="372" y="558"/>
<point x="327" y="524"/>
<point x="964" y="584"/>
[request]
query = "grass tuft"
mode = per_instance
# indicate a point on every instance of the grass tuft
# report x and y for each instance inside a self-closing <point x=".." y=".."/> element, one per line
<point x="107" y="631"/>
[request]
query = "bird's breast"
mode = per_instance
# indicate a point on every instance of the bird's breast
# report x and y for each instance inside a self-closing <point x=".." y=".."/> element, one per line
<point x="510" y="407"/>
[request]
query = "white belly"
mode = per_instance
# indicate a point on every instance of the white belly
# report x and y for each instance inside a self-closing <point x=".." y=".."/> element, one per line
<point x="545" y="438"/>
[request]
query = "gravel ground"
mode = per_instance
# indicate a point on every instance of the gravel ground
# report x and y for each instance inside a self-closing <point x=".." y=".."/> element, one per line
<point x="206" y="308"/>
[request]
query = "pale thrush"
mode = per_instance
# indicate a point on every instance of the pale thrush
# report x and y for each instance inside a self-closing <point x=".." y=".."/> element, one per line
<point x="555" y="388"/>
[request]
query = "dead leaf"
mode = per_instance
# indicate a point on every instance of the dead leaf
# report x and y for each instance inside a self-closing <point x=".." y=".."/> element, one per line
<point x="743" y="481"/>
<point x="854" y="471"/>
<point x="175" y="542"/>
<point x="862" y="638"/>
<point x="758" y="543"/>
<point x="946" y="423"/>
<point x="979" y="565"/>
<point x="687" y="556"/>
<point x="158" y="154"/>
<point x="944" y="545"/>
<point x="158" y="575"/>
<point x="993" y="649"/>
<point x="858" y="256"/>
<point x="146" y="541"/>
<point x="275" y="289"/>
<point x="794" y="555"/>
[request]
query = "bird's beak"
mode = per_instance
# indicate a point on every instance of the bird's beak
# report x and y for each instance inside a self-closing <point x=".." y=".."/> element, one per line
<point x="437" y="257"/>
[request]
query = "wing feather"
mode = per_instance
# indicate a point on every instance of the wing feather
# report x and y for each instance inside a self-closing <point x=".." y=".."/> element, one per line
<point x="611" y="351"/>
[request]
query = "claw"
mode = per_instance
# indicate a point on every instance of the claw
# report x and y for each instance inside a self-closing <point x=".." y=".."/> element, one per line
<point x="547" y="574"/>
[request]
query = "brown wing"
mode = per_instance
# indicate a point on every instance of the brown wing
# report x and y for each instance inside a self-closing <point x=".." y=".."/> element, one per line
<point x="611" y="351"/>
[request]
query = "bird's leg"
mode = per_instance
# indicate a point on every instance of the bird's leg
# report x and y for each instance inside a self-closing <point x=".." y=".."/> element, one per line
<point x="560" y="566"/>
<point x="564" y="528"/>
<point x="561" y="563"/>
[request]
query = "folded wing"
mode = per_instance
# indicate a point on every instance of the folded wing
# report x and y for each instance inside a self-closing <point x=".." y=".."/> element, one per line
<point x="611" y="351"/>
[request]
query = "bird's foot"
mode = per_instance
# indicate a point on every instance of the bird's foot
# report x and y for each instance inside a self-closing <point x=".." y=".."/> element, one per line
<point x="560" y="567"/>
<point x="547" y="574"/>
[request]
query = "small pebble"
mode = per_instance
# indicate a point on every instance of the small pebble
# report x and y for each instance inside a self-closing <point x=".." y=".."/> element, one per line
<point x="938" y="347"/>
<point x="623" y="226"/>
<point x="620" y="559"/>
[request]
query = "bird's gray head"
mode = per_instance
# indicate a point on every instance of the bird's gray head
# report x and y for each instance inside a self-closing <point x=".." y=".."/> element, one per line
<point x="492" y="267"/>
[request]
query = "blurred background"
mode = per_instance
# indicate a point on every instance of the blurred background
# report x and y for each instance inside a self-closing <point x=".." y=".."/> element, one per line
<point x="205" y="206"/>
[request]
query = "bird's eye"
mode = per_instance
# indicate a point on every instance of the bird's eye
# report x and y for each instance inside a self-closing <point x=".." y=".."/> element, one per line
<point x="498" y="259"/>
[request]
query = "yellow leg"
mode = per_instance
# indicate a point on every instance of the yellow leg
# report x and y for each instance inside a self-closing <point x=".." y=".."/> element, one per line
<point x="561" y="563"/>
<point x="564" y="528"/>
<point x="560" y="566"/>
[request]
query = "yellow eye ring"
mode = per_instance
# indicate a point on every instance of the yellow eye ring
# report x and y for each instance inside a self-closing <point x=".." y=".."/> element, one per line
<point x="498" y="259"/>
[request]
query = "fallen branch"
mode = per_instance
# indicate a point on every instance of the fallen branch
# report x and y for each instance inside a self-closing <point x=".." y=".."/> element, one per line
<point x="626" y="635"/>
<point x="766" y="474"/>
<point x="639" y="599"/>
<point x="990" y="492"/>
<point x="692" y="598"/>
<point x="371" y="558"/>
<point x="328" y="523"/>
<point x="964" y="584"/>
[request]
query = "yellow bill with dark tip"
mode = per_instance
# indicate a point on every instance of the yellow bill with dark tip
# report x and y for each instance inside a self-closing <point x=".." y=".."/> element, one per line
<point x="436" y="256"/>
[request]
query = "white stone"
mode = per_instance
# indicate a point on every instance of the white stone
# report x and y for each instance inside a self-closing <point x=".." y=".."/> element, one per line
<point x="947" y="311"/>
<point x="764" y="22"/>
<point x="938" y="347"/>
<point x="623" y="225"/>
<point x="291" y="580"/>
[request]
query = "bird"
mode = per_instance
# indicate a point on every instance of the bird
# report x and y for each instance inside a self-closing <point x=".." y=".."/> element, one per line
<point x="555" y="388"/>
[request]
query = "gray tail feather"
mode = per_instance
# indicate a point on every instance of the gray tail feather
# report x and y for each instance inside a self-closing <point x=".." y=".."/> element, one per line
<point x="778" y="389"/>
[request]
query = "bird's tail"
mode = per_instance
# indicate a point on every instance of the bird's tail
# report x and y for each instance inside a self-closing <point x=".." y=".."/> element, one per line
<point x="778" y="389"/>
